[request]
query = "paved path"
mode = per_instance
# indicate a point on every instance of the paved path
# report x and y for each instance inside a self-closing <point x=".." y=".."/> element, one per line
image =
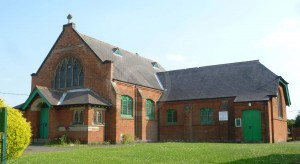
<point x="41" y="148"/>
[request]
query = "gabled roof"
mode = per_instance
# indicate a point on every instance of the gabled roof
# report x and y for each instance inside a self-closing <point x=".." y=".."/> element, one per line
<point x="244" y="81"/>
<point x="128" y="67"/>
<point x="70" y="97"/>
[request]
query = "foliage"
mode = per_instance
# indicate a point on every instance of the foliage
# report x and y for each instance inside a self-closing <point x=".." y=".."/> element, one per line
<point x="297" y="121"/>
<point x="64" y="138"/>
<point x="290" y="123"/>
<point x="126" y="139"/>
<point x="18" y="132"/>
<point x="106" y="143"/>
<point x="171" y="152"/>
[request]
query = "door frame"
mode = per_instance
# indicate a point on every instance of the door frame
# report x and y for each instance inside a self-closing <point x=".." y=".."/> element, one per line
<point x="44" y="123"/>
<point x="256" y="134"/>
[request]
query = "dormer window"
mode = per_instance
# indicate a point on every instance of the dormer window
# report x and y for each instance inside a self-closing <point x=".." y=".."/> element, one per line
<point x="68" y="74"/>
<point x="117" y="51"/>
<point x="155" y="65"/>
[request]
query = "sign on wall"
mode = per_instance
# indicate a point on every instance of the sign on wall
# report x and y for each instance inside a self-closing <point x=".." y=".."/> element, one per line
<point x="223" y="116"/>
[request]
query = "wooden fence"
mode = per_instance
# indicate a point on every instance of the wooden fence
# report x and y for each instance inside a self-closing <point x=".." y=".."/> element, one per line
<point x="296" y="133"/>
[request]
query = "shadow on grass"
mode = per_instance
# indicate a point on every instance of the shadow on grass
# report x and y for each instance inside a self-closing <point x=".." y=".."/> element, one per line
<point x="274" y="158"/>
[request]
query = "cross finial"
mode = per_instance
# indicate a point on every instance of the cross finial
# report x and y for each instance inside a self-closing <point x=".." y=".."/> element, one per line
<point x="69" y="17"/>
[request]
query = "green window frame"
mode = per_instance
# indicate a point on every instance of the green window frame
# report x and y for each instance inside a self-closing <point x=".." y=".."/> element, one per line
<point x="206" y="116"/>
<point x="126" y="106"/>
<point x="149" y="109"/>
<point x="171" y="117"/>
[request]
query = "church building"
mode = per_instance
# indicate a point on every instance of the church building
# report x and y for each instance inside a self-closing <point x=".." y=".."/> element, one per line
<point x="100" y="92"/>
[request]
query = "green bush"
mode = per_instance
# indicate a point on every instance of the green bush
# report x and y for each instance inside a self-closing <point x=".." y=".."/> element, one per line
<point x="18" y="132"/>
<point x="106" y="143"/>
<point x="126" y="139"/>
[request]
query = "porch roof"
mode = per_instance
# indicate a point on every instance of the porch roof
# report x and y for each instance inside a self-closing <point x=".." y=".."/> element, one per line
<point x="69" y="97"/>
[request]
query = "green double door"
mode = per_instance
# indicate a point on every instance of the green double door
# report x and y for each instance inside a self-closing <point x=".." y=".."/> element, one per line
<point x="251" y="123"/>
<point x="44" y="121"/>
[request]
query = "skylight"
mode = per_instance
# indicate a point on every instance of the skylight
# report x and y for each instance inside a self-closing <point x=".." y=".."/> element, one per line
<point x="155" y="65"/>
<point x="117" y="51"/>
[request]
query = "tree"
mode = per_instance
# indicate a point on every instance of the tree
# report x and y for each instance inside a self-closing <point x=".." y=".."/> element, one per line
<point x="18" y="132"/>
<point x="290" y="123"/>
<point x="297" y="122"/>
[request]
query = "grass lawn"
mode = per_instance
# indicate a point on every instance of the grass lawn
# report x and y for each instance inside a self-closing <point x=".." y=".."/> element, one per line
<point x="172" y="152"/>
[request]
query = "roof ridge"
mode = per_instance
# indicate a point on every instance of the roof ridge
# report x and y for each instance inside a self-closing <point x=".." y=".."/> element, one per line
<point x="209" y="66"/>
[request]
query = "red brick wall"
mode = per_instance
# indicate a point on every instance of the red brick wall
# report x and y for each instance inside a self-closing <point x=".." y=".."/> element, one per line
<point x="138" y="126"/>
<point x="188" y="125"/>
<point x="62" y="117"/>
<point x="279" y="124"/>
<point x="147" y="129"/>
<point x="240" y="107"/>
<point x="97" y="75"/>
<point x="219" y="130"/>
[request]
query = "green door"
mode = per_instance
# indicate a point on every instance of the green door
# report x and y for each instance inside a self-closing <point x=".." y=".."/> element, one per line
<point x="44" y="123"/>
<point x="251" y="123"/>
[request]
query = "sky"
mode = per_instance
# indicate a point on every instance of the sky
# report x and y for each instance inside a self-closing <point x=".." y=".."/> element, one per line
<point x="178" y="34"/>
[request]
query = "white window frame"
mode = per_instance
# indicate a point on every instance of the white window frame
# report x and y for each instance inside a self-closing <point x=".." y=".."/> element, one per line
<point x="236" y="123"/>
<point x="78" y="122"/>
<point x="97" y="112"/>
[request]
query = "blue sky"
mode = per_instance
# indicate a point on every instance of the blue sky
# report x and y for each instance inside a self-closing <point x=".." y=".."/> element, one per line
<point x="178" y="34"/>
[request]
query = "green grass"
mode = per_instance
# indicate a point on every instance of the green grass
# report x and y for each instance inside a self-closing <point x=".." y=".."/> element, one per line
<point x="171" y="152"/>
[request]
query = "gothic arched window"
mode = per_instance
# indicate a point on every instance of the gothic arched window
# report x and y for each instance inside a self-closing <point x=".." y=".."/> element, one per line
<point x="68" y="74"/>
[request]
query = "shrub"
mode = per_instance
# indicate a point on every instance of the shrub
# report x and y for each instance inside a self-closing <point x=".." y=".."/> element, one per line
<point x="106" y="143"/>
<point x="18" y="132"/>
<point x="126" y="139"/>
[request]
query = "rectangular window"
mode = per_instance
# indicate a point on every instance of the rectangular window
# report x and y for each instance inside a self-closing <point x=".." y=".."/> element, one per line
<point x="78" y="117"/>
<point x="171" y="117"/>
<point x="238" y="122"/>
<point x="206" y="116"/>
<point x="98" y="117"/>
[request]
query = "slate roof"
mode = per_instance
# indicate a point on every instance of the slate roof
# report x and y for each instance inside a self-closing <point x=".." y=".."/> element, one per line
<point x="129" y="67"/>
<point x="245" y="81"/>
<point x="72" y="97"/>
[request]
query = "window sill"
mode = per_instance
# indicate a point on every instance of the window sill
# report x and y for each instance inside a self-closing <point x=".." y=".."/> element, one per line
<point x="206" y="123"/>
<point x="130" y="116"/>
<point x="98" y="124"/>
<point x="150" y="119"/>
<point x="171" y="123"/>
<point x="77" y="124"/>
<point x="126" y="117"/>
